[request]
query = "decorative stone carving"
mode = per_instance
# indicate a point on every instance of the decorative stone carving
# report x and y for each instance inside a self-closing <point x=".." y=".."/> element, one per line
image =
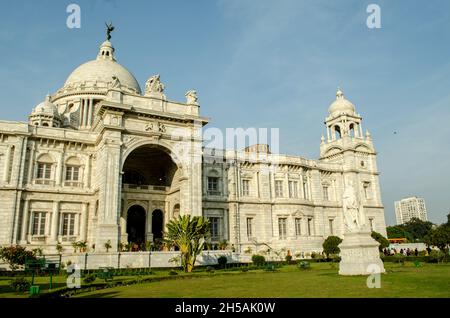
<point x="154" y="87"/>
<point x="115" y="82"/>
<point x="149" y="127"/>
<point x="161" y="128"/>
<point x="191" y="97"/>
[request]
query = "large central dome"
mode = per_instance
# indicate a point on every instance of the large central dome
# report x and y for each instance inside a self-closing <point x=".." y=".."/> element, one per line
<point x="102" y="71"/>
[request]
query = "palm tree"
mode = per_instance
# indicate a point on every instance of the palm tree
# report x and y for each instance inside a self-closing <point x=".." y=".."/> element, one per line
<point x="189" y="235"/>
<point x="107" y="245"/>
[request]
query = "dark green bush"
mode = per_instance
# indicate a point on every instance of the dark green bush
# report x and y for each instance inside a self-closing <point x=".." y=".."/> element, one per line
<point x="222" y="261"/>
<point x="210" y="269"/>
<point x="90" y="278"/>
<point x="304" y="265"/>
<point x="173" y="273"/>
<point x="288" y="258"/>
<point x="436" y="256"/>
<point x="258" y="260"/>
<point x="20" y="284"/>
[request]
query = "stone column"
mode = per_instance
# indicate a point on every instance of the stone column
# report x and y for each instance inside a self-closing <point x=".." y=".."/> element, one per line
<point x="59" y="168"/>
<point x="148" y="223"/>
<point x="25" y="216"/>
<point x="7" y="164"/>
<point x="84" y="216"/>
<point x="87" y="172"/>
<point x="55" y="222"/>
<point x="31" y="163"/>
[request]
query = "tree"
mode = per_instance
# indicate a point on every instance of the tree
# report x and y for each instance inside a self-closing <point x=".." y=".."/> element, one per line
<point x="439" y="237"/>
<point x="397" y="231"/>
<point x="189" y="234"/>
<point x="384" y="242"/>
<point x="417" y="228"/>
<point x="16" y="256"/>
<point x="330" y="245"/>
<point x="59" y="248"/>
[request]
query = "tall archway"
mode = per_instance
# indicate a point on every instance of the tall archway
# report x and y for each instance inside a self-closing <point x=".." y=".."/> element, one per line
<point x="149" y="165"/>
<point x="136" y="224"/>
<point x="157" y="224"/>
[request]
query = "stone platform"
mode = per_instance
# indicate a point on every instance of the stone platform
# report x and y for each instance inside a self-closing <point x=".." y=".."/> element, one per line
<point x="359" y="255"/>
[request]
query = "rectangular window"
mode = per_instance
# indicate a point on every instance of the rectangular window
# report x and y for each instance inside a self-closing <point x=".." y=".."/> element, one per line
<point x="215" y="228"/>
<point x="278" y="188"/>
<point x="325" y="193"/>
<point x="298" y="226"/>
<point x="293" y="189"/>
<point x="44" y="170"/>
<point x="282" y="228"/>
<point x="309" y="226"/>
<point x="68" y="224"/>
<point x="249" y="227"/>
<point x="213" y="184"/>
<point x="245" y="187"/>
<point x="330" y="222"/>
<point x="39" y="223"/>
<point x="371" y="224"/>
<point x="72" y="173"/>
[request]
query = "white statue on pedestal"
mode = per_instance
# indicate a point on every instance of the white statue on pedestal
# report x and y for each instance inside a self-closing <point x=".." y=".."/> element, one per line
<point x="191" y="97"/>
<point x="354" y="216"/>
<point x="154" y="87"/>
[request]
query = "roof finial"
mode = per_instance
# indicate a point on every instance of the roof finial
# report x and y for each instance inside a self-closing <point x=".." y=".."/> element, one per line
<point x="109" y="29"/>
<point x="339" y="93"/>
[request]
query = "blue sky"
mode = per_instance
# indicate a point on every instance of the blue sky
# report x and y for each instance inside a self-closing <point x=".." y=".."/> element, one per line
<point x="258" y="63"/>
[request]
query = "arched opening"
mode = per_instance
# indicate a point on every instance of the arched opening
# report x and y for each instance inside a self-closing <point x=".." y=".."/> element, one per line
<point x="337" y="132"/>
<point x="351" y="130"/>
<point x="157" y="224"/>
<point x="149" y="165"/>
<point x="136" y="224"/>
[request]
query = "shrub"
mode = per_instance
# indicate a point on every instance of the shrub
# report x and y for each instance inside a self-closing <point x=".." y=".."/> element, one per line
<point x="244" y="269"/>
<point x="173" y="273"/>
<point x="16" y="256"/>
<point x="384" y="243"/>
<point x="222" y="261"/>
<point x="210" y="269"/>
<point x="90" y="278"/>
<point x="304" y="265"/>
<point x="20" y="284"/>
<point x="330" y="245"/>
<point x="399" y="258"/>
<point x="288" y="258"/>
<point x="436" y="256"/>
<point x="258" y="260"/>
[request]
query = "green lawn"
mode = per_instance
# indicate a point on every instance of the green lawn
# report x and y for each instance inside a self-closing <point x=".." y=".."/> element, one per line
<point x="429" y="280"/>
<point x="320" y="281"/>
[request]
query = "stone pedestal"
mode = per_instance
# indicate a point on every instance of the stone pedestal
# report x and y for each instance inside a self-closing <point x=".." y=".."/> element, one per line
<point x="359" y="255"/>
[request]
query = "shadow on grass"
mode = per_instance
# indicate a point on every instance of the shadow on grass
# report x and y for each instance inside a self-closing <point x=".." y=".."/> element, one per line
<point x="101" y="295"/>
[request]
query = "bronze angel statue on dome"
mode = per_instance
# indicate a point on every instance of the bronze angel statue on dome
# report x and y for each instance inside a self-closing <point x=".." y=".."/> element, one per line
<point x="109" y="29"/>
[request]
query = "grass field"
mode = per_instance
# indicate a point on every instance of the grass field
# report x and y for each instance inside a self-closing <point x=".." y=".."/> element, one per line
<point x="322" y="280"/>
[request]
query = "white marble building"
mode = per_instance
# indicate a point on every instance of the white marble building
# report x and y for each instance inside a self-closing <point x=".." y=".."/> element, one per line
<point x="101" y="160"/>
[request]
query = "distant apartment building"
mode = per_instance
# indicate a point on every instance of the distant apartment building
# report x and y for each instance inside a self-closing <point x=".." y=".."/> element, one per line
<point x="409" y="208"/>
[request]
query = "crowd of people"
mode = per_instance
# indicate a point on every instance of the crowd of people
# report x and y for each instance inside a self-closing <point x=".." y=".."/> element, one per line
<point x="403" y="251"/>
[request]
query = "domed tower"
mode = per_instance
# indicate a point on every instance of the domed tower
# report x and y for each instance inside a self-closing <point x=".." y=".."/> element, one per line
<point x="347" y="146"/>
<point x="89" y="84"/>
<point x="45" y="114"/>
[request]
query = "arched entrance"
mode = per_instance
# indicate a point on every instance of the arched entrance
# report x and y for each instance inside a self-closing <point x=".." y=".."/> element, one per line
<point x="157" y="224"/>
<point x="136" y="224"/>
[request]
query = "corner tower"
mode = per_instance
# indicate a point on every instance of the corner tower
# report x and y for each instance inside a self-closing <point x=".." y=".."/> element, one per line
<point x="354" y="151"/>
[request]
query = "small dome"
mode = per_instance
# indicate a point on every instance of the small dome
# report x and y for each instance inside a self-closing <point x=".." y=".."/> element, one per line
<point x="341" y="105"/>
<point x="102" y="71"/>
<point x="46" y="108"/>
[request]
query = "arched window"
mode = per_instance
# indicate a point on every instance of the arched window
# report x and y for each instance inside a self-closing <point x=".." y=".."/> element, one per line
<point x="73" y="175"/>
<point x="45" y="124"/>
<point x="44" y="169"/>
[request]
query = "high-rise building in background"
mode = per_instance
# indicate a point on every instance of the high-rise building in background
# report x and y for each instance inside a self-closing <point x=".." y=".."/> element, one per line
<point x="409" y="208"/>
